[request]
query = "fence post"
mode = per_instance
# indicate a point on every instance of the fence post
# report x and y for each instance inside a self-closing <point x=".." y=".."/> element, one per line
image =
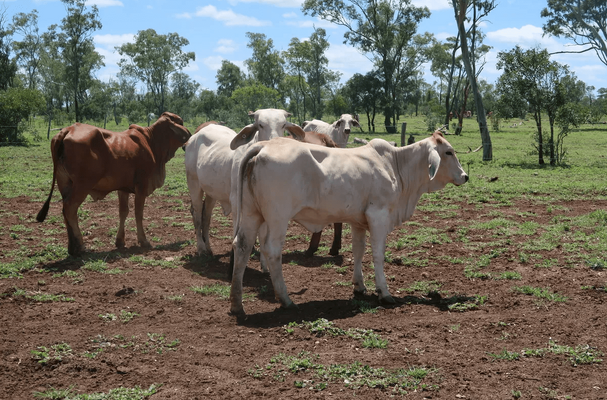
<point x="403" y="134"/>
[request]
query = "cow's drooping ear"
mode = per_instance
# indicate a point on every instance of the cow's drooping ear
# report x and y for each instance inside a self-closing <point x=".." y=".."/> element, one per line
<point x="355" y="123"/>
<point x="287" y="114"/>
<point x="433" y="163"/>
<point x="244" y="136"/>
<point x="295" y="130"/>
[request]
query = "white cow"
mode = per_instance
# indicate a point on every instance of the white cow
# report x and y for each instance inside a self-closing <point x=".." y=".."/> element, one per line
<point x="375" y="187"/>
<point x="210" y="161"/>
<point x="339" y="130"/>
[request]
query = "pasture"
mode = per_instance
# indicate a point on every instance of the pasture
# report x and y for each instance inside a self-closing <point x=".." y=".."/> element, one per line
<point x="501" y="290"/>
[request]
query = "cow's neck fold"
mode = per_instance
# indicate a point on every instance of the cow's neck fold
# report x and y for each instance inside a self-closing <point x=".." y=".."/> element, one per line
<point x="412" y="170"/>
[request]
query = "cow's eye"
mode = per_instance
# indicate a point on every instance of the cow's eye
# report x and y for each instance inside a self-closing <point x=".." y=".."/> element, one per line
<point x="449" y="153"/>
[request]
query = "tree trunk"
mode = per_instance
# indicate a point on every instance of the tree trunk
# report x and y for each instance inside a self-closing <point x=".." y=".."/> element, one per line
<point x="480" y="109"/>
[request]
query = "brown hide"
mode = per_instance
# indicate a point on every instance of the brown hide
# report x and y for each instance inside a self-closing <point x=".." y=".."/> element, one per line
<point x="90" y="160"/>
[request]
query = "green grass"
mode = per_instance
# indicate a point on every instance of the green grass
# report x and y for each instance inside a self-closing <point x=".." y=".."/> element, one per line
<point x="324" y="327"/>
<point x="40" y="296"/>
<point x="541" y="293"/>
<point x="310" y="374"/>
<point x="578" y="355"/>
<point x="120" y="393"/>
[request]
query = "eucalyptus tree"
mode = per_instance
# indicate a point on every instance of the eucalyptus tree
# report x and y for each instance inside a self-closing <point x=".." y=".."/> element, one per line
<point x="153" y="58"/>
<point x="530" y="76"/>
<point x="29" y="49"/>
<point x="183" y="94"/>
<point x="583" y="21"/>
<point x="229" y="77"/>
<point x="364" y="93"/>
<point x="474" y="11"/>
<point x="78" y="54"/>
<point x="383" y="29"/>
<point x="8" y="65"/>
<point x="266" y="64"/>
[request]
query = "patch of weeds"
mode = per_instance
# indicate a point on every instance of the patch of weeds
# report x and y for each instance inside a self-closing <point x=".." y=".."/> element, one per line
<point x="510" y="275"/>
<point x="324" y="327"/>
<point x="541" y="293"/>
<point x="98" y="265"/>
<point x="107" y="317"/>
<point x="454" y="328"/>
<point x="354" y="376"/>
<point x="505" y="355"/>
<point x="516" y="394"/>
<point x="364" y="306"/>
<point x="217" y="290"/>
<point x="580" y="354"/>
<point x="597" y="264"/>
<point x="41" y="297"/>
<point x="464" y="303"/>
<point x="75" y="276"/>
<point x="120" y="393"/>
<point x="342" y="283"/>
<point x="54" y="353"/>
<point x="423" y="286"/>
<point x="24" y="260"/>
<point x="168" y="262"/>
<point x="177" y="298"/>
<point x="327" y="265"/>
<point x="547" y="263"/>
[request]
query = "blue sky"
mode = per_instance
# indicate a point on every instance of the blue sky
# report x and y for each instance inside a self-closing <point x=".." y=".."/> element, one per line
<point x="217" y="30"/>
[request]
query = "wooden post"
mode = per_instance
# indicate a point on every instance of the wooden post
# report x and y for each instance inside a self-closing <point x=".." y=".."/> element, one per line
<point x="403" y="134"/>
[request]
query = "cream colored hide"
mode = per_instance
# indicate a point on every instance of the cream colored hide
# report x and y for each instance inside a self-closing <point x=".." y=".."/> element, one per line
<point x="339" y="130"/>
<point x="212" y="157"/>
<point x="373" y="188"/>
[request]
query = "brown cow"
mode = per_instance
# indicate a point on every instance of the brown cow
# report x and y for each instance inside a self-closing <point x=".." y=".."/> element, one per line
<point x="90" y="160"/>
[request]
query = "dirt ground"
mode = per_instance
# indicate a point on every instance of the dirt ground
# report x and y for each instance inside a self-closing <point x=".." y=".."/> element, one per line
<point x="216" y="355"/>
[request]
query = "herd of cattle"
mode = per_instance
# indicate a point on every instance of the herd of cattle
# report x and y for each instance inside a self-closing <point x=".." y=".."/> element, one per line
<point x="262" y="178"/>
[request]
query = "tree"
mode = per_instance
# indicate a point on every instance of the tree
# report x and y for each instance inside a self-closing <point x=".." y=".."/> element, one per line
<point x="17" y="105"/>
<point x="229" y="78"/>
<point x="153" y="58"/>
<point x="385" y="29"/>
<point x="29" y="49"/>
<point x="265" y="64"/>
<point x="364" y="93"/>
<point x="526" y="77"/>
<point x="183" y="94"/>
<point x="583" y="21"/>
<point x="8" y="66"/>
<point x="479" y="10"/>
<point x="78" y="50"/>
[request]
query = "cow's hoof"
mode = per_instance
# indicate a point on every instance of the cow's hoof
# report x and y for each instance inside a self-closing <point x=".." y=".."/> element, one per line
<point x="237" y="312"/>
<point x="334" y="252"/>
<point x="309" y="253"/>
<point x="358" y="294"/>
<point x="387" y="300"/>
<point x="145" y="245"/>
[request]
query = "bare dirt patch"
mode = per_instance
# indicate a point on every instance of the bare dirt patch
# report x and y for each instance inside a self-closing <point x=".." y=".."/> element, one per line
<point x="187" y="342"/>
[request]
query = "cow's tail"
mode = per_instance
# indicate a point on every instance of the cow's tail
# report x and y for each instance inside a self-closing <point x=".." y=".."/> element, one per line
<point x="56" y="152"/>
<point x="244" y="175"/>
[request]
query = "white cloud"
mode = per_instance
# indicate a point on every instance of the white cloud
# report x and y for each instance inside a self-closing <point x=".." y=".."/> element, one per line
<point x="289" y="15"/>
<point x="225" y="46"/>
<point x="213" y="62"/>
<point x="277" y="3"/>
<point x="347" y="60"/>
<point x="229" y="17"/>
<point x="113" y="40"/>
<point x="104" y="3"/>
<point x="315" y="23"/>
<point x="185" y="15"/>
<point x="527" y="36"/>
<point x="433" y="5"/>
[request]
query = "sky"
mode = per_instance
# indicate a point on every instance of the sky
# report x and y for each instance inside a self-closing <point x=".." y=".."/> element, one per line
<point x="216" y="30"/>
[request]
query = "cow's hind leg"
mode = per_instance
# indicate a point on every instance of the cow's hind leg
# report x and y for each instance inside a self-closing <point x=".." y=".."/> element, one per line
<point x="242" y="245"/>
<point x="336" y="246"/>
<point x="205" y="225"/>
<point x="71" y="202"/>
<point x="123" y="212"/>
<point x="271" y="246"/>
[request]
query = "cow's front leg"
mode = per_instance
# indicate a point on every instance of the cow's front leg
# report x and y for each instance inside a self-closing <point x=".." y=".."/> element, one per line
<point x="123" y="212"/>
<point x="379" y="231"/>
<point x="358" y="250"/>
<point x="139" y="204"/>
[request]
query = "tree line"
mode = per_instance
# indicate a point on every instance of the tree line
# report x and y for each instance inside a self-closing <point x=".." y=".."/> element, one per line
<point x="52" y="73"/>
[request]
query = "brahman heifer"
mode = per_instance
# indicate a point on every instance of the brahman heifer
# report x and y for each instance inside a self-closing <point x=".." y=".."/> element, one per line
<point x="90" y="160"/>
<point x="339" y="131"/>
<point x="375" y="187"/>
<point x="210" y="163"/>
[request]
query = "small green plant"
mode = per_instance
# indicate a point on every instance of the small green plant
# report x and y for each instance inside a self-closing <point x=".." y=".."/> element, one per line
<point x="108" y="317"/>
<point x="127" y="316"/>
<point x="505" y="355"/>
<point x="176" y="298"/>
<point x="120" y="393"/>
<point x="324" y="327"/>
<point x="516" y="394"/>
<point x="541" y="293"/>
<point x="364" y="306"/>
<point x="56" y="352"/>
